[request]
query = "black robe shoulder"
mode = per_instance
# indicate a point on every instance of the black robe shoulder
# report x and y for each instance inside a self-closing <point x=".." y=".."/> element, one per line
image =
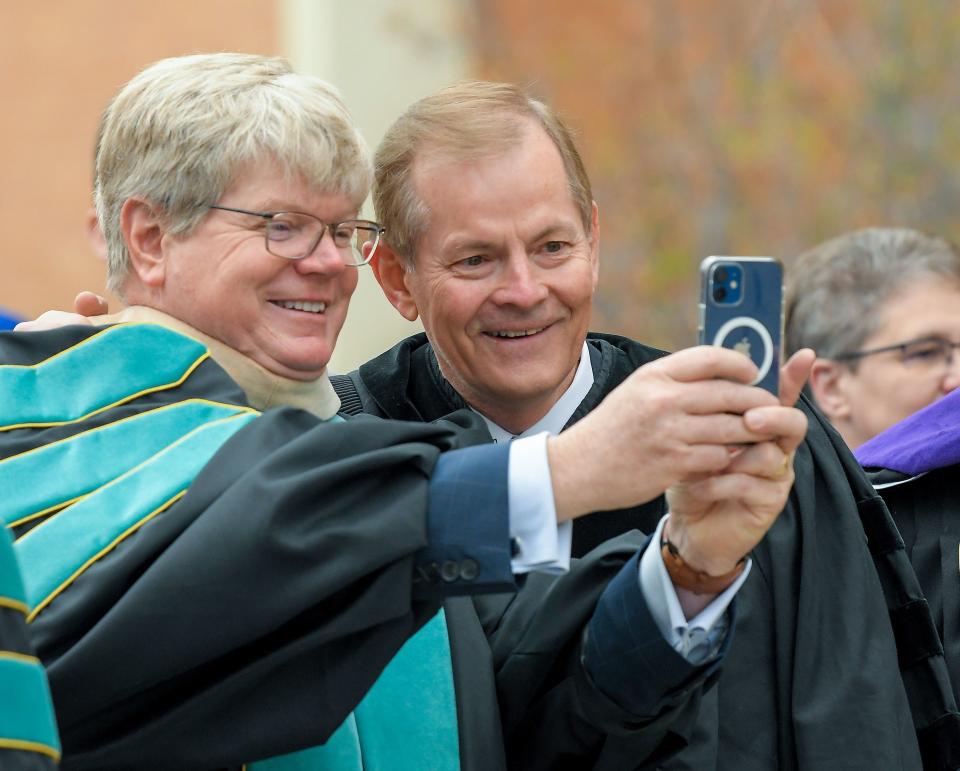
<point x="926" y="509"/>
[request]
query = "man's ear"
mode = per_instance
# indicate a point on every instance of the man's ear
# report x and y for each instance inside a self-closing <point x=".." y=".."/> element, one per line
<point x="391" y="272"/>
<point x="595" y="245"/>
<point x="827" y="387"/>
<point x="143" y="230"/>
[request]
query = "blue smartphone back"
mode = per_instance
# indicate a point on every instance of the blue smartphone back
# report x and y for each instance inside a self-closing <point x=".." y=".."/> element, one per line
<point x="741" y="307"/>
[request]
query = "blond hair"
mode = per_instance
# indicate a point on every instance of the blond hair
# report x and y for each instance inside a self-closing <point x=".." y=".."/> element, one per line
<point x="466" y="121"/>
<point x="179" y="132"/>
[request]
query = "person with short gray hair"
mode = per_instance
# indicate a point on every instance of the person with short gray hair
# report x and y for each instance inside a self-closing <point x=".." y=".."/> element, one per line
<point x="881" y="307"/>
<point x="241" y="107"/>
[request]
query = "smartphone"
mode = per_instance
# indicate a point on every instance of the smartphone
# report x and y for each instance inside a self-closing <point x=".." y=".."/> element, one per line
<point x="741" y="307"/>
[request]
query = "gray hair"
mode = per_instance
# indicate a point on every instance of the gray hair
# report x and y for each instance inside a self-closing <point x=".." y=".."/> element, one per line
<point x="179" y="132"/>
<point x="837" y="289"/>
<point x="463" y="122"/>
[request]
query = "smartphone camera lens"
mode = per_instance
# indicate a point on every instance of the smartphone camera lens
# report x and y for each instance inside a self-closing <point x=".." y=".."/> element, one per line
<point x="719" y="293"/>
<point x="720" y="274"/>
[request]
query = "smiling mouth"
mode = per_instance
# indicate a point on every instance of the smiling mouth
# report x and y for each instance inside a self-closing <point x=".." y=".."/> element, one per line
<point x="511" y="334"/>
<point x="300" y="305"/>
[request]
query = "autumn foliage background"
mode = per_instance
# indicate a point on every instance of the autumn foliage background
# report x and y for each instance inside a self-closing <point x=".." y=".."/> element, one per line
<point x="737" y="127"/>
<point x="708" y="126"/>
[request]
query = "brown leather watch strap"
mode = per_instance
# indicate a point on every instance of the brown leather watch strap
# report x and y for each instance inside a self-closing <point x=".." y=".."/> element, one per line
<point x="685" y="577"/>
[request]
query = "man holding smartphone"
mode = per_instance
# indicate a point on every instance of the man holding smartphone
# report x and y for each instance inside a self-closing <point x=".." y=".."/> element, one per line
<point x="492" y="239"/>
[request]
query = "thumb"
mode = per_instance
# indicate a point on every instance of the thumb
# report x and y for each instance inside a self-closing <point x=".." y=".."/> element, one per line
<point x="90" y="304"/>
<point x="794" y="374"/>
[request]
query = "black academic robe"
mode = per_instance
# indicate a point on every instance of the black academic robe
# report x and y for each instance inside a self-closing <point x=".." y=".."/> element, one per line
<point x="829" y="617"/>
<point x="926" y="509"/>
<point x="246" y="617"/>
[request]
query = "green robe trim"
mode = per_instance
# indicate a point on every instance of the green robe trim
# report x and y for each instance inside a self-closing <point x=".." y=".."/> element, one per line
<point x="62" y="547"/>
<point x="406" y="722"/>
<point x="26" y="712"/>
<point x="12" y="594"/>
<point x="120" y="446"/>
<point x="130" y="360"/>
<point x="26" y="717"/>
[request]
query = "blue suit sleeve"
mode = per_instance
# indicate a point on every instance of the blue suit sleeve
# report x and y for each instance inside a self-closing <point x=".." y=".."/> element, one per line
<point x="622" y="637"/>
<point x="468" y="528"/>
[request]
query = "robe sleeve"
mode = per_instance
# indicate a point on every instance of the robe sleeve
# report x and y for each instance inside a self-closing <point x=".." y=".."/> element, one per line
<point x="821" y="674"/>
<point x="553" y="713"/>
<point x="251" y="616"/>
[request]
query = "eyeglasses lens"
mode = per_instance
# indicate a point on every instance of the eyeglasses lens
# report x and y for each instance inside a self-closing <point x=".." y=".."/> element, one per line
<point x="927" y="353"/>
<point x="294" y="236"/>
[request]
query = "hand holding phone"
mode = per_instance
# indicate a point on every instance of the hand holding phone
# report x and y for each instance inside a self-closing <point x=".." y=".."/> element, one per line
<point x="741" y="307"/>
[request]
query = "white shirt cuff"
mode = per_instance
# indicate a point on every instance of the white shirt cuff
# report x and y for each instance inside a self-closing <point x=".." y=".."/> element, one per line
<point x="539" y="542"/>
<point x="699" y="639"/>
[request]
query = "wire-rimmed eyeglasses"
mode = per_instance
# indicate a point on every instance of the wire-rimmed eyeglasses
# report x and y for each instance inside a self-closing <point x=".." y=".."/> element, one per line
<point x="294" y="235"/>
<point x="922" y="352"/>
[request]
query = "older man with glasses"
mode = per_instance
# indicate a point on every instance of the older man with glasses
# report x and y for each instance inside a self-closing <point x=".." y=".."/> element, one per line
<point x="881" y="307"/>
